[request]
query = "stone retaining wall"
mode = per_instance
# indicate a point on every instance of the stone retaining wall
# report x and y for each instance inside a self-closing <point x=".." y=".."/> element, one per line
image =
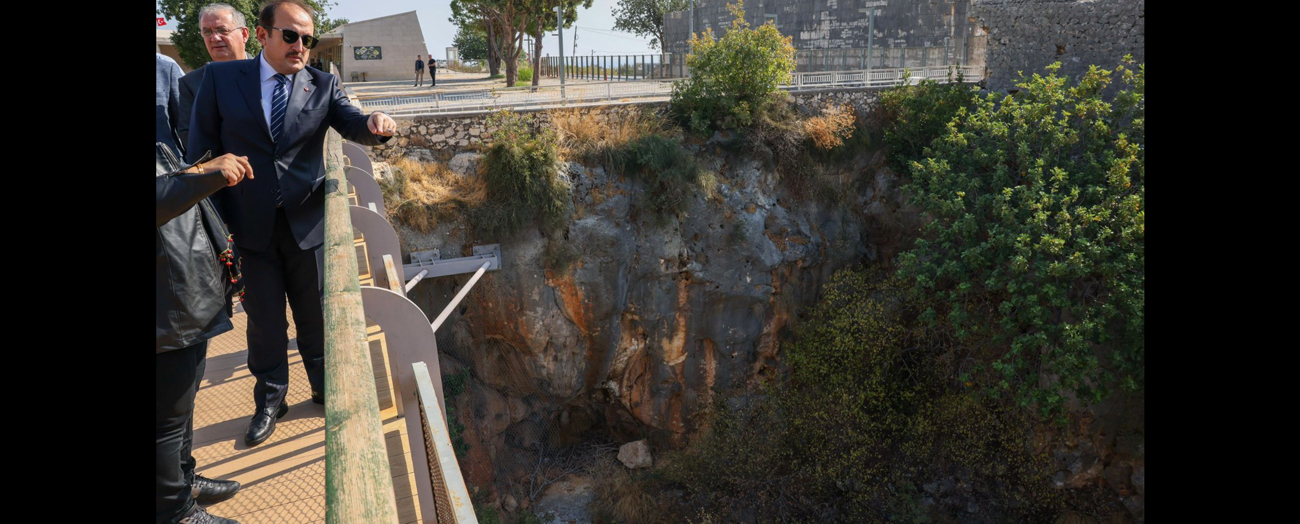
<point x="441" y="137"/>
<point x="1027" y="35"/>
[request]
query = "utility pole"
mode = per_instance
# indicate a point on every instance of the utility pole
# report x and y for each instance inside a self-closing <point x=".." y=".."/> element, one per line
<point x="559" y="26"/>
<point x="871" y="34"/>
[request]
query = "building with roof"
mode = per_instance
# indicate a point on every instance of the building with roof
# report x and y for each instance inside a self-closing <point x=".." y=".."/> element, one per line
<point x="163" y="44"/>
<point x="381" y="48"/>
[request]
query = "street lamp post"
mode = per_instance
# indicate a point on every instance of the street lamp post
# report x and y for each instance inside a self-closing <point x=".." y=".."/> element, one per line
<point x="559" y="26"/>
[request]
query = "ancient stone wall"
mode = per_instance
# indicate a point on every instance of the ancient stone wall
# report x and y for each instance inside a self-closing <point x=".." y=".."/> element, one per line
<point x="833" y="34"/>
<point x="1027" y="35"/>
<point x="429" y="137"/>
<point x="437" y="136"/>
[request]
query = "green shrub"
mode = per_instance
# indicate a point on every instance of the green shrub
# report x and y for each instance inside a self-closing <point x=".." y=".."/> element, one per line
<point x="912" y="116"/>
<point x="1035" y="260"/>
<point x="453" y="386"/>
<point x="520" y="171"/>
<point x="730" y="76"/>
<point x="670" y="173"/>
<point x="868" y="419"/>
<point x="525" y="74"/>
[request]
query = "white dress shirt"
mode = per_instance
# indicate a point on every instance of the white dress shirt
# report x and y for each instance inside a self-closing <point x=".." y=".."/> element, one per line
<point x="268" y="87"/>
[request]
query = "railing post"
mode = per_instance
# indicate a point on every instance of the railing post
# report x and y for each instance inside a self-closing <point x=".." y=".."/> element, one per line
<point x="358" y="481"/>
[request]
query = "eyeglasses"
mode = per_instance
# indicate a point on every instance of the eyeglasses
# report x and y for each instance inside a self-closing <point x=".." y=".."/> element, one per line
<point x="207" y="33"/>
<point x="291" y="36"/>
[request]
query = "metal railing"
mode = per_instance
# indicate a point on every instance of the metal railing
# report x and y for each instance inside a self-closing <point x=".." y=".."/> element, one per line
<point x="525" y="96"/>
<point x="452" y="503"/>
<point x="358" y="480"/>
<point x="615" y="67"/>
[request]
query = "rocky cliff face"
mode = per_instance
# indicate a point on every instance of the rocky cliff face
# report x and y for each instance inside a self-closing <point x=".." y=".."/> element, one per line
<point x="654" y="313"/>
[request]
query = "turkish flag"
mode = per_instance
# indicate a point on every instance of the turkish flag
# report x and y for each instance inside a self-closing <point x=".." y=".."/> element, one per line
<point x="161" y="21"/>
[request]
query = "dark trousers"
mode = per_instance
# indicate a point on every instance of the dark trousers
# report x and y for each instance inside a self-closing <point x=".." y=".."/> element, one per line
<point x="433" y="76"/>
<point x="283" y="269"/>
<point x="176" y="380"/>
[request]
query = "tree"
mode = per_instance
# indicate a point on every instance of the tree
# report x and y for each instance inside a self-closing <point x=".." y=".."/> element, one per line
<point x="471" y="43"/>
<point x="1034" y="260"/>
<point x="327" y="24"/>
<point x="570" y="12"/>
<point x="646" y="17"/>
<point x="507" y="21"/>
<point x="189" y="41"/>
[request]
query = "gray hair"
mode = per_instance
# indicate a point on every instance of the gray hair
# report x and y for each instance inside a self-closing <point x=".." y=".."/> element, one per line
<point x="235" y="16"/>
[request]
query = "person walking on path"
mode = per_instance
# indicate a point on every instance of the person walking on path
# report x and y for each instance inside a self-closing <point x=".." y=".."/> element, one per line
<point x="419" y="71"/>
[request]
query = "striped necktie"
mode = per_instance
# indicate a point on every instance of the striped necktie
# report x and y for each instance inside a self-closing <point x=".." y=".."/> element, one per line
<point x="279" y="100"/>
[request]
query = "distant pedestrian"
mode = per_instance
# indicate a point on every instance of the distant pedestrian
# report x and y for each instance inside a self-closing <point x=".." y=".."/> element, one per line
<point x="419" y="71"/>
<point x="433" y="71"/>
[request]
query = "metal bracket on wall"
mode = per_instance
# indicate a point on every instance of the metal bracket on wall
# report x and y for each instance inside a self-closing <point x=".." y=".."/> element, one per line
<point x="428" y="264"/>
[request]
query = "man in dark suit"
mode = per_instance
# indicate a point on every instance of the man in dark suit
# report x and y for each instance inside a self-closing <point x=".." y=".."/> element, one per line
<point x="276" y="112"/>
<point x="225" y="34"/>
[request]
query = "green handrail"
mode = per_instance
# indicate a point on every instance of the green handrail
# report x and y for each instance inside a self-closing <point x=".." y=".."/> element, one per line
<point x="358" y="480"/>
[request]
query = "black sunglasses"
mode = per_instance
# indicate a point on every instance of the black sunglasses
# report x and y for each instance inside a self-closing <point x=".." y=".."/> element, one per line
<point x="291" y="36"/>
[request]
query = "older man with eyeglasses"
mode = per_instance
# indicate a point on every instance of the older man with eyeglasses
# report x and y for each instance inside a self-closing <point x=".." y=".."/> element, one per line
<point x="225" y="34"/>
<point x="276" y="111"/>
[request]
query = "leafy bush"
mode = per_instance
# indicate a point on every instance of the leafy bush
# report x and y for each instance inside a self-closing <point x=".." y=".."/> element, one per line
<point x="670" y="173"/>
<point x="520" y="172"/>
<point x="525" y="74"/>
<point x="452" y="387"/>
<point x="912" y="116"/>
<point x="1035" y="260"/>
<point x="867" y="426"/>
<point x="730" y="76"/>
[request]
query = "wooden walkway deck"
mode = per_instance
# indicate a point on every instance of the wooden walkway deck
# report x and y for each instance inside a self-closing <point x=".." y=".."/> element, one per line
<point x="283" y="478"/>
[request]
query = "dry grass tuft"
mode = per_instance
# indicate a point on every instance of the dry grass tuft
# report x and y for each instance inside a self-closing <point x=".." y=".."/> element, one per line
<point x="421" y="194"/>
<point x="583" y="136"/>
<point x="831" y="128"/>
<point x="619" y="497"/>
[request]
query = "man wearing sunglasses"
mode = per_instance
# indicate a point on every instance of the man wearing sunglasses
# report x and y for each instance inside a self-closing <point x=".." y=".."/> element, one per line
<point x="276" y="112"/>
<point x="226" y="36"/>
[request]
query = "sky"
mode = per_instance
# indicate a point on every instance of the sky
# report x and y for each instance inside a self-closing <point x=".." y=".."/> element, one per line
<point x="594" y="27"/>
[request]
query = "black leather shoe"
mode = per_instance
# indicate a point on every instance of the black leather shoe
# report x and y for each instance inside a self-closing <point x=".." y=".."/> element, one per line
<point x="198" y="516"/>
<point x="208" y="491"/>
<point x="318" y="397"/>
<point x="263" y="425"/>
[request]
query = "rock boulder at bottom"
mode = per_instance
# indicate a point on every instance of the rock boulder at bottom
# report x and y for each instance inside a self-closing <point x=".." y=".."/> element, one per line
<point x="635" y="454"/>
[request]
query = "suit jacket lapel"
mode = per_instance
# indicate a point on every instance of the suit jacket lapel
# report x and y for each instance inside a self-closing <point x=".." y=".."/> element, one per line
<point x="251" y="86"/>
<point x="298" y="95"/>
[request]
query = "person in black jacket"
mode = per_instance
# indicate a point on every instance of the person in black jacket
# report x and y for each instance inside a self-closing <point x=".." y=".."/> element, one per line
<point x="196" y="270"/>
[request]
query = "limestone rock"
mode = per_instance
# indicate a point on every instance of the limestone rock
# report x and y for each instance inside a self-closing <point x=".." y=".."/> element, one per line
<point x="464" y="164"/>
<point x="635" y="455"/>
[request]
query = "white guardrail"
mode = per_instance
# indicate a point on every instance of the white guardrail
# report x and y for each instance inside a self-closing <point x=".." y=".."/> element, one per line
<point x="483" y="99"/>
